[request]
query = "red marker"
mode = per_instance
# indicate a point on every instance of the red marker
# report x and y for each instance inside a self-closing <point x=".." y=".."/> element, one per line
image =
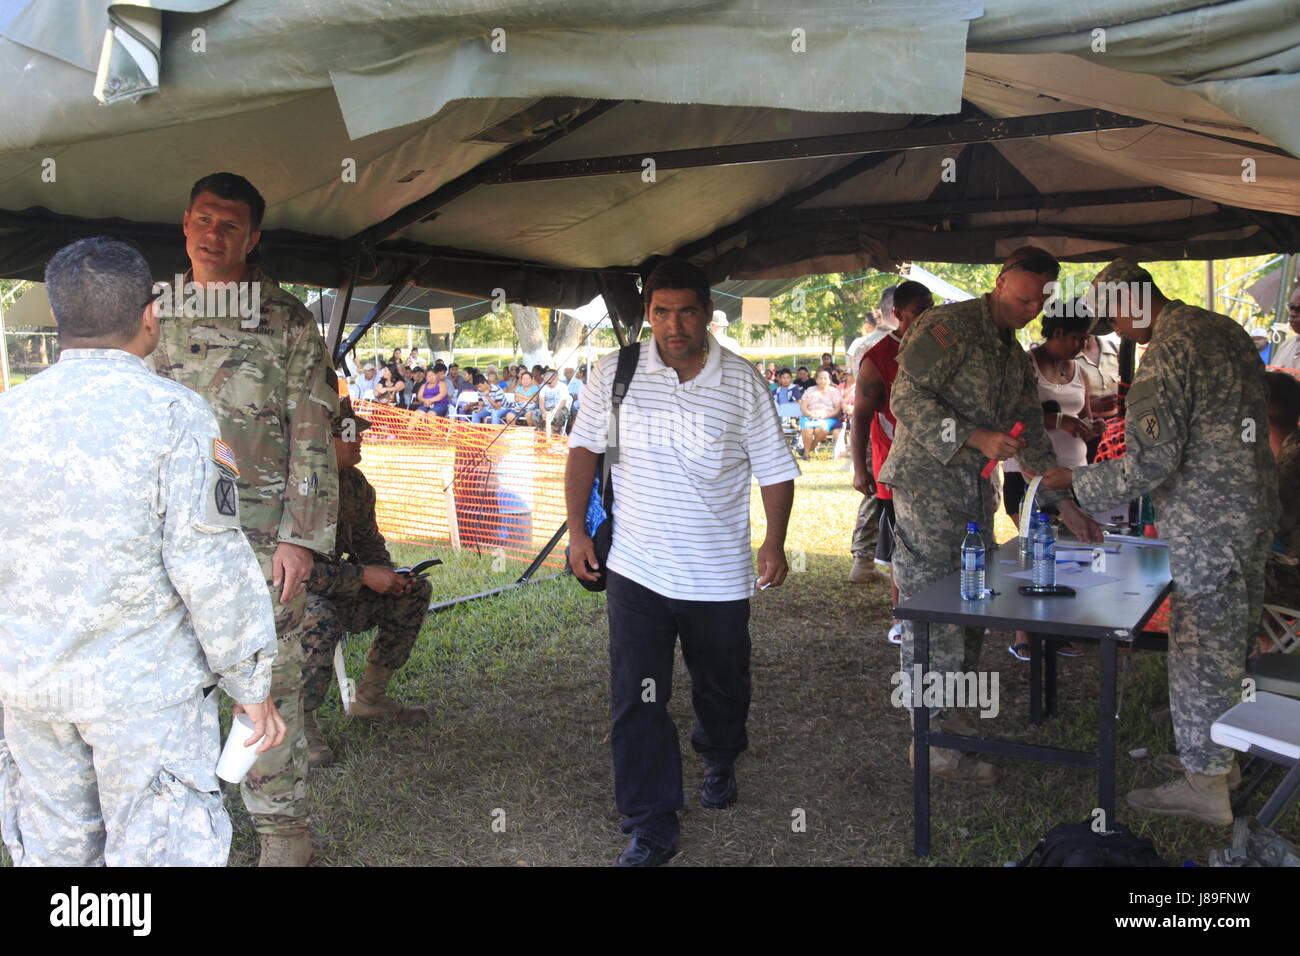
<point x="1016" y="429"/>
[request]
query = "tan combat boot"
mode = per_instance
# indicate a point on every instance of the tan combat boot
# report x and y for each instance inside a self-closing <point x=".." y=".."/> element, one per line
<point x="955" y="722"/>
<point x="1193" y="795"/>
<point x="863" y="570"/>
<point x="955" y="765"/>
<point x="319" y="753"/>
<point x="373" y="702"/>
<point x="286" y="849"/>
<point x="1173" y="764"/>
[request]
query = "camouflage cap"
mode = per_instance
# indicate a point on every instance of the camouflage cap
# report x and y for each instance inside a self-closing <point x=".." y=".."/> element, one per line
<point x="1116" y="271"/>
<point x="345" y="414"/>
<point x="1122" y="270"/>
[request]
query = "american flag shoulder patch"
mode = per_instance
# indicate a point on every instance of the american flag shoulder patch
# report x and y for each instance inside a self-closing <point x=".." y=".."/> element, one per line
<point x="223" y="455"/>
<point x="943" y="335"/>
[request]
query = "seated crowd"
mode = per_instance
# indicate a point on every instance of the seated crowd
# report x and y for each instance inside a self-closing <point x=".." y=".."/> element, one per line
<point x="538" y="397"/>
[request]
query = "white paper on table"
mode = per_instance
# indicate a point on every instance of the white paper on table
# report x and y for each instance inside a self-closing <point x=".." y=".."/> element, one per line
<point x="1073" y="575"/>
<point x="1081" y="554"/>
<point x="1133" y="539"/>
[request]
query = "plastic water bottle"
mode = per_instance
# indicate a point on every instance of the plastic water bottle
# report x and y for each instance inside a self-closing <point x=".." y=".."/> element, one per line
<point x="972" y="564"/>
<point x="1043" y="548"/>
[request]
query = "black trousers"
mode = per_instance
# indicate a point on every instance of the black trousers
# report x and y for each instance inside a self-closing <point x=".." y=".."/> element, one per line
<point x="643" y="631"/>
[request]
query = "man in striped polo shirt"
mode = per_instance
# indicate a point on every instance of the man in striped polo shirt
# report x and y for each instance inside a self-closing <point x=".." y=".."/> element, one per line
<point x="695" y="425"/>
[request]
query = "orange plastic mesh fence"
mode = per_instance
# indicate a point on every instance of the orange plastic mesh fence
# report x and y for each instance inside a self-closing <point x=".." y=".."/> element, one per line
<point x="494" y="489"/>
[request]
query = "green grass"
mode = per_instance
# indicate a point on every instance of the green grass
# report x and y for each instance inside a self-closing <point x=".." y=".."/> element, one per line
<point x="518" y="685"/>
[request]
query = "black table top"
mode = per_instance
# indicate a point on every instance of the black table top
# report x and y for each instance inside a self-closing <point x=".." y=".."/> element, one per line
<point x="1116" y="610"/>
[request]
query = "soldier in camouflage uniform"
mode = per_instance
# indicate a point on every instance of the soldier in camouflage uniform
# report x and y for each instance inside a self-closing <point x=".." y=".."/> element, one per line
<point x="270" y="380"/>
<point x="963" y="382"/>
<point x="356" y="590"/>
<point x="126" y="592"/>
<point x="1197" y="440"/>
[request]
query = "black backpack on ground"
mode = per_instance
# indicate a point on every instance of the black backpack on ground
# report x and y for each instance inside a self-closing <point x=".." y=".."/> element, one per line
<point x="1076" y="844"/>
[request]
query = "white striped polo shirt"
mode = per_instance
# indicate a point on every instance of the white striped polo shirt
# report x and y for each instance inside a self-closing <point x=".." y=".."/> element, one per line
<point x="682" y="482"/>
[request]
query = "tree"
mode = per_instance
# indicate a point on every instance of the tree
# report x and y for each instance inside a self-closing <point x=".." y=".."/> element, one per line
<point x="831" y="308"/>
<point x="532" y="340"/>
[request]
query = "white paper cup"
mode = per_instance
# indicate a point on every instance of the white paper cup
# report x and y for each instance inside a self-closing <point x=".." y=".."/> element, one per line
<point x="236" y="759"/>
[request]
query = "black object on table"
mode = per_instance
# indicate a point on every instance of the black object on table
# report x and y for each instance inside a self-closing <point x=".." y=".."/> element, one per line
<point x="1109" y="613"/>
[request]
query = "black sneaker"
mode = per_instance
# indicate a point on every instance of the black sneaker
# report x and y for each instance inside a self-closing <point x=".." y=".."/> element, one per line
<point x="719" y="788"/>
<point x="641" y="852"/>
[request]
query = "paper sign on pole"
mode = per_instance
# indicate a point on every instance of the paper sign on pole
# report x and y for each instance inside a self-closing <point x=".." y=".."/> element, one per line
<point x="756" y="311"/>
<point x="442" y="321"/>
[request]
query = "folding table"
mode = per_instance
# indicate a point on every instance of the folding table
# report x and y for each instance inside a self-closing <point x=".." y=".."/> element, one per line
<point x="1110" y="614"/>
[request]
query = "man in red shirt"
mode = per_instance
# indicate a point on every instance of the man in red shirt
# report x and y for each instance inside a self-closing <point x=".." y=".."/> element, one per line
<point x="873" y="424"/>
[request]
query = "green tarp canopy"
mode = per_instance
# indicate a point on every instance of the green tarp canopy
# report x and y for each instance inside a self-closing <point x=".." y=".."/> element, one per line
<point x="510" y="146"/>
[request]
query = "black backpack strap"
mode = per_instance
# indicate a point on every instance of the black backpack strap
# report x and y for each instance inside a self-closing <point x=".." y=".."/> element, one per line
<point x="628" y="356"/>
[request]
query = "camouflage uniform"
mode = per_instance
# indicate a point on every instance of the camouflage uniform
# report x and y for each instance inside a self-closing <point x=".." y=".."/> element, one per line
<point x="127" y="589"/>
<point x="866" y="530"/>
<point x="1282" y="581"/>
<point x="1197" y="433"/>
<point x="956" y="373"/>
<point x="337" y="600"/>
<point x="272" y="385"/>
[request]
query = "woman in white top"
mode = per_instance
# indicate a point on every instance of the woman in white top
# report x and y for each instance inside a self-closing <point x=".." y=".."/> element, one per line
<point x="1069" y="427"/>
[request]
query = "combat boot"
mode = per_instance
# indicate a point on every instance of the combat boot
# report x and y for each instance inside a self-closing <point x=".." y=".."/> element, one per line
<point x="373" y="702"/>
<point x="863" y="570"/>
<point x="319" y="753"/>
<point x="954" y="722"/>
<point x="1193" y="795"/>
<point x="955" y="765"/>
<point x="1173" y="764"/>
<point x="286" y="849"/>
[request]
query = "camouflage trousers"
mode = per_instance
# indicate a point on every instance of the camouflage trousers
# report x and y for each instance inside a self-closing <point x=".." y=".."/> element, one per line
<point x="1212" y="624"/>
<point x="398" y="618"/>
<point x="867" y="529"/>
<point x="929" y="527"/>
<point x="275" y="790"/>
<point x="141" y="791"/>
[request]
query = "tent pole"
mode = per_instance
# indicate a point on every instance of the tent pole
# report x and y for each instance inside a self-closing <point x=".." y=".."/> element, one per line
<point x="1209" y="284"/>
<point x="541" y="555"/>
<point x="378" y="309"/>
<point x="338" y="314"/>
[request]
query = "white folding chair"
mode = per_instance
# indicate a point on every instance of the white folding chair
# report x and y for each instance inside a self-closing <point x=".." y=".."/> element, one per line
<point x="1267" y="727"/>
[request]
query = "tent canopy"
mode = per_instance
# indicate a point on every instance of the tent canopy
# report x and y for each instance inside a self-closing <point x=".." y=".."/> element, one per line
<point x="510" y="146"/>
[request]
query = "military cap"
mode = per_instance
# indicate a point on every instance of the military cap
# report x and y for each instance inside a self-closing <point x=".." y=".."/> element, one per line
<point x="1117" y="271"/>
<point x="345" y="414"/>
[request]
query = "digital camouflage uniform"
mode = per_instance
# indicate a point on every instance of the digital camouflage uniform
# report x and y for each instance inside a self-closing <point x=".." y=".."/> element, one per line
<point x="128" y="591"/>
<point x="956" y="373"/>
<point x="337" y="600"/>
<point x="1197" y="440"/>
<point x="272" y="385"/>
